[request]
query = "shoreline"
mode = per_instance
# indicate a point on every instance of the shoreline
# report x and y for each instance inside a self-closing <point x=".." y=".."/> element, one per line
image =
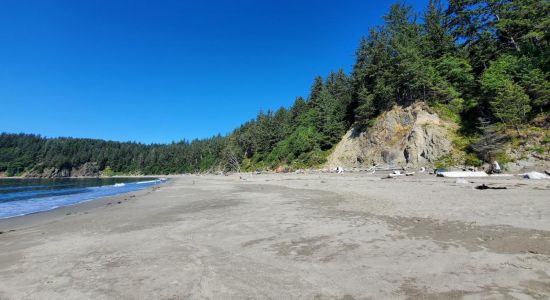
<point x="69" y="209"/>
<point x="84" y="207"/>
<point x="85" y="177"/>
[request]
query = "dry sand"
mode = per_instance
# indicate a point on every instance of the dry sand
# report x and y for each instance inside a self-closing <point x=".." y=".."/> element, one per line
<point x="316" y="236"/>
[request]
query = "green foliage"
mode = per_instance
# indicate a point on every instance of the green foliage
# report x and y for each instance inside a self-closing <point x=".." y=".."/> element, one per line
<point x="444" y="162"/>
<point x="511" y="104"/>
<point x="512" y="86"/>
<point x="366" y="110"/>
<point x="298" y="135"/>
<point x="457" y="78"/>
<point x="537" y="87"/>
<point x="437" y="37"/>
<point x="310" y="159"/>
<point x="107" y="172"/>
<point x="20" y="153"/>
<point x="500" y="73"/>
<point x="472" y="160"/>
<point x="539" y="150"/>
<point x="447" y="112"/>
<point x="461" y="142"/>
<point x="302" y="140"/>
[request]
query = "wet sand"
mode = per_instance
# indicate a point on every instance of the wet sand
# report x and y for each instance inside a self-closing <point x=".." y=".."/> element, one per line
<point x="288" y="236"/>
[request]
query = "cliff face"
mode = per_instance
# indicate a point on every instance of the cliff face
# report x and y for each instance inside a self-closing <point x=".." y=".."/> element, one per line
<point x="410" y="136"/>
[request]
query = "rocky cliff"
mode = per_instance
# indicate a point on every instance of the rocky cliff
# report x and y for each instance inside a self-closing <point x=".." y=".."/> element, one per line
<point x="402" y="137"/>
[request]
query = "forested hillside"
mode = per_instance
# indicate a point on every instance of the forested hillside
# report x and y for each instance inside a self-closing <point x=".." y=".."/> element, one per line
<point x="482" y="64"/>
<point x="24" y="153"/>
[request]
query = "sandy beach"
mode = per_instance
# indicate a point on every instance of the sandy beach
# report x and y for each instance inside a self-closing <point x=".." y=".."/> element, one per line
<point x="288" y="236"/>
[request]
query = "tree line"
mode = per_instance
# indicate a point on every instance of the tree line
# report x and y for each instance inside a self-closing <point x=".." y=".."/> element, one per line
<point x="480" y="61"/>
<point x="26" y="152"/>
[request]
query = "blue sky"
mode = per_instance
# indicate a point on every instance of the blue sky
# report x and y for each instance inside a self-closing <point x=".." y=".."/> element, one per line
<point x="162" y="71"/>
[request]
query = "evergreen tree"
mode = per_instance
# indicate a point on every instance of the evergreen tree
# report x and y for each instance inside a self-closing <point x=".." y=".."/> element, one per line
<point x="511" y="104"/>
<point x="316" y="89"/>
<point x="537" y="87"/>
<point x="439" y="40"/>
<point x="365" y="110"/>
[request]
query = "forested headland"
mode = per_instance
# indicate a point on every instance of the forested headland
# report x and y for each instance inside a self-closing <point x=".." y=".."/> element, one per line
<point x="483" y="64"/>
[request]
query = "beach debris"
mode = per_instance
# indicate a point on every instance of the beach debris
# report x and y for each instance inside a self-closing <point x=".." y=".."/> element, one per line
<point x="462" y="181"/>
<point x="496" y="168"/>
<point x="547" y="172"/>
<point x="501" y="175"/>
<point x="535" y="175"/>
<point x="486" y="187"/>
<point x="438" y="172"/>
<point x="339" y="170"/>
<point x="422" y="170"/>
<point x="396" y="173"/>
<point x="409" y="173"/>
<point x="461" y="174"/>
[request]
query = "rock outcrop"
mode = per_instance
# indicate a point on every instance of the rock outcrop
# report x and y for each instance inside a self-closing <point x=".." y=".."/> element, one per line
<point x="89" y="169"/>
<point x="402" y="137"/>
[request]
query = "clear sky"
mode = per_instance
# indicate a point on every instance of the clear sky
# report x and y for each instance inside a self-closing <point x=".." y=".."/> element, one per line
<point x="161" y="71"/>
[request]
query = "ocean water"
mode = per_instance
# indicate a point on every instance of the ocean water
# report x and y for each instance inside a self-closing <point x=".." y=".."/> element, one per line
<point x="26" y="196"/>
